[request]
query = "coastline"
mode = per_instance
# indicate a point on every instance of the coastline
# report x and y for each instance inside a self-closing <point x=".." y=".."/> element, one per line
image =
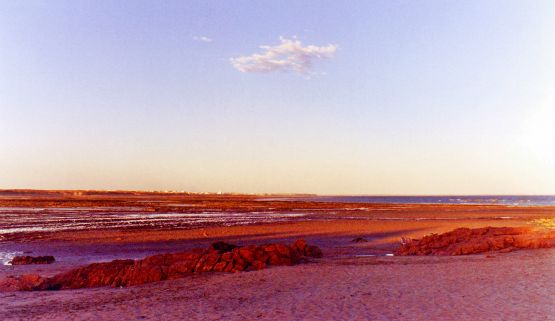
<point x="352" y="281"/>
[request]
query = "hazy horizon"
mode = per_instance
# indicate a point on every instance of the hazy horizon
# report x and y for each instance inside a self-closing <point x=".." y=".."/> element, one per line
<point x="366" y="98"/>
<point x="268" y="193"/>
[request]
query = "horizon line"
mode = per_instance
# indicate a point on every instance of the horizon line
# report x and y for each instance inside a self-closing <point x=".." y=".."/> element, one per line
<point x="4" y="190"/>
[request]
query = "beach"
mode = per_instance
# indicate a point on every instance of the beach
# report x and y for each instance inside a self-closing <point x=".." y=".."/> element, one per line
<point x="277" y="160"/>
<point x="514" y="286"/>
<point x="353" y="280"/>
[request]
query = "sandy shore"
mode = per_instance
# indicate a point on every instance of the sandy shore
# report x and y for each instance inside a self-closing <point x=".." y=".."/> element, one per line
<point x="513" y="286"/>
<point x="354" y="281"/>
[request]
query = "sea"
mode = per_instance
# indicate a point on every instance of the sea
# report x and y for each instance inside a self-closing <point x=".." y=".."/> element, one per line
<point x="507" y="200"/>
<point x="14" y="220"/>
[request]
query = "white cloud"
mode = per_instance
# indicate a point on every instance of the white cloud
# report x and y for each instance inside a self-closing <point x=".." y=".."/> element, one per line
<point x="289" y="55"/>
<point x="202" y="38"/>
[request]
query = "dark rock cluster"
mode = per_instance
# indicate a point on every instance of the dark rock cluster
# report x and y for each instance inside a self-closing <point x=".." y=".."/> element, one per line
<point x="359" y="240"/>
<point x="220" y="257"/>
<point x="464" y="241"/>
<point x="22" y="260"/>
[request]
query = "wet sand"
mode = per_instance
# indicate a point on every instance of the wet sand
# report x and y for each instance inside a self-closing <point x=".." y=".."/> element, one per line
<point x="352" y="281"/>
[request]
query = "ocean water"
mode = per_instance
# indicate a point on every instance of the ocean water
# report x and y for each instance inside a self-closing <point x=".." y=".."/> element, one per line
<point x="508" y="200"/>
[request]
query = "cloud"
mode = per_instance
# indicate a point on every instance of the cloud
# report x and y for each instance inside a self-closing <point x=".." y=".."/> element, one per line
<point x="289" y="55"/>
<point x="202" y="38"/>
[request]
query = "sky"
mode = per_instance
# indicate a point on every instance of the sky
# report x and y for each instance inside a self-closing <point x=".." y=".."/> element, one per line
<point x="327" y="97"/>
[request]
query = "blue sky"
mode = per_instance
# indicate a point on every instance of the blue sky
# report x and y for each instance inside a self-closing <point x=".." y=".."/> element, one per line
<point x="417" y="97"/>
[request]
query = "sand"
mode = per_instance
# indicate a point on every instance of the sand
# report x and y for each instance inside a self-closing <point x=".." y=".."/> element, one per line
<point x="513" y="286"/>
<point x="354" y="281"/>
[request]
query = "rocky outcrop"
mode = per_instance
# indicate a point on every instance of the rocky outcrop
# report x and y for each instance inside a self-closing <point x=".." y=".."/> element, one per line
<point x="220" y="257"/>
<point x="26" y="282"/>
<point x="22" y="260"/>
<point x="464" y="241"/>
<point x="359" y="240"/>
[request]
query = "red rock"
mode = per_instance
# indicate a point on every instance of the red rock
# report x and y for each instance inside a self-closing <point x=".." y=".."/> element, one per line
<point x="23" y="260"/>
<point x="269" y="247"/>
<point x="359" y="240"/>
<point x="228" y="256"/>
<point x="21" y="283"/>
<point x="261" y="255"/>
<point x="210" y="262"/>
<point x="228" y="267"/>
<point x="300" y="245"/>
<point x="286" y="261"/>
<point x="158" y="259"/>
<point x="258" y="265"/>
<point x="183" y="256"/>
<point x="200" y="264"/>
<point x="247" y="254"/>
<point x="239" y="265"/>
<point x="222" y="247"/>
<point x="96" y="274"/>
<point x="463" y="241"/>
<point x="296" y="255"/>
<point x="141" y="273"/>
<point x="313" y="251"/>
<point x="166" y="266"/>
<point x="274" y="259"/>
<point x="181" y="269"/>
<point x="220" y="266"/>
<point x="283" y="250"/>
